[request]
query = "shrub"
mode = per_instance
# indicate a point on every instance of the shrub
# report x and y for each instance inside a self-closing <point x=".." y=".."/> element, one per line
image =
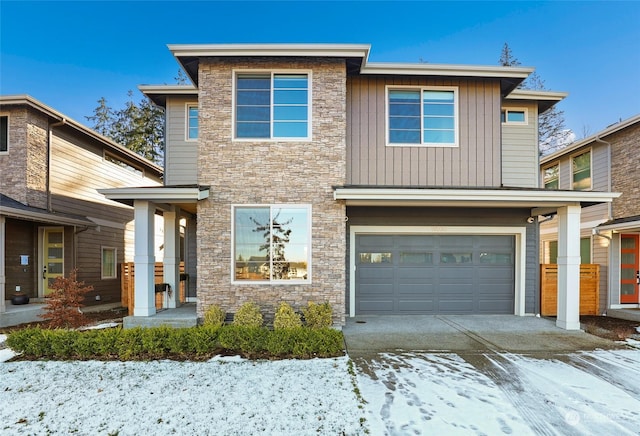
<point x="214" y="316"/>
<point x="64" y="303"/>
<point x="246" y="339"/>
<point x="305" y="343"/>
<point x="286" y="318"/>
<point x="318" y="316"/>
<point x="248" y="316"/>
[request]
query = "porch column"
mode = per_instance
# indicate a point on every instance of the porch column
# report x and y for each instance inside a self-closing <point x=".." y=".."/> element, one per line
<point x="3" y="276"/>
<point x="144" y="258"/>
<point x="171" y="262"/>
<point x="569" y="267"/>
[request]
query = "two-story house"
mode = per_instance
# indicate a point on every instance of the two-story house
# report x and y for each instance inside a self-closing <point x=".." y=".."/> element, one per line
<point x="609" y="232"/>
<point x="382" y="188"/>
<point x="52" y="219"/>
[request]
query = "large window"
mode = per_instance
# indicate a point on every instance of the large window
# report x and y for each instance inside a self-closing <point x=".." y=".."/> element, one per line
<point x="581" y="170"/>
<point x="426" y="116"/>
<point x="4" y="134"/>
<point x="192" y="122"/>
<point x="109" y="263"/>
<point x="272" y="243"/>
<point x="272" y="106"/>
<point x="551" y="177"/>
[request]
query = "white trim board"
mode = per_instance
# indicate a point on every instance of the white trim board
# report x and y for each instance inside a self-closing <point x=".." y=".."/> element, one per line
<point x="520" y="263"/>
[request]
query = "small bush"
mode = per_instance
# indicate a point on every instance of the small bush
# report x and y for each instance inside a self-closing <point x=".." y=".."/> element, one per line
<point x="214" y="316"/>
<point x="318" y="316"/>
<point x="286" y="318"/>
<point x="248" y="316"/>
<point x="64" y="303"/>
<point x="305" y="343"/>
<point x="246" y="339"/>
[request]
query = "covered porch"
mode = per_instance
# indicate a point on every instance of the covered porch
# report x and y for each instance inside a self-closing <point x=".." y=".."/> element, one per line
<point x="173" y="203"/>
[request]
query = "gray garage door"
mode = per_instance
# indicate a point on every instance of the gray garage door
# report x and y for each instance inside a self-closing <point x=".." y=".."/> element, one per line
<point x="429" y="274"/>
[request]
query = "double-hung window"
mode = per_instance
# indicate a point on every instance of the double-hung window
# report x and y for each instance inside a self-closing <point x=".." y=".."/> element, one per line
<point x="422" y="116"/>
<point x="272" y="243"/>
<point x="581" y="171"/>
<point x="272" y="106"/>
<point x="4" y="134"/>
<point x="192" y="122"/>
<point x="551" y="177"/>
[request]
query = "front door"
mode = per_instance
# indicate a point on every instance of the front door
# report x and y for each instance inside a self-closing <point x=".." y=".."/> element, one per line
<point x="53" y="248"/>
<point x="629" y="267"/>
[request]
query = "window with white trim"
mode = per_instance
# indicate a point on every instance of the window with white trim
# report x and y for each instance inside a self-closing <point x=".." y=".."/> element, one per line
<point x="272" y="243"/>
<point x="551" y="177"/>
<point x="272" y="105"/>
<point x="422" y="116"/>
<point x="581" y="171"/>
<point x="192" y="122"/>
<point x="514" y="116"/>
<point x="4" y="134"/>
<point x="109" y="263"/>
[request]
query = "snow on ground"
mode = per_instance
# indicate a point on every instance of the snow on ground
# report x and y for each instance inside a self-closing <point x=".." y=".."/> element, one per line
<point x="221" y="397"/>
<point x="501" y="393"/>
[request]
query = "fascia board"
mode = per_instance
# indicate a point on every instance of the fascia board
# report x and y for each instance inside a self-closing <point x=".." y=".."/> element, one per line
<point x="526" y="94"/>
<point x="381" y="68"/>
<point x="168" y="89"/>
<point x="184" y="195"/>
<point x="227" y="50"/>
<point x="43" y="217"/>
<point x="621" y="226"/>
<point x="443" y="197"/>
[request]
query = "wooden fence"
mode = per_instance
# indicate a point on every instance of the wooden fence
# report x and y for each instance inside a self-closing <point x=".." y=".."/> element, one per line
<point x="589" y="289"/>
<point x="127" y="284"/>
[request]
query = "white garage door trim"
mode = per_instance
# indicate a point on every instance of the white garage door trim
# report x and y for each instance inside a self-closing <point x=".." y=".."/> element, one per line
<point x="520" y="251"/>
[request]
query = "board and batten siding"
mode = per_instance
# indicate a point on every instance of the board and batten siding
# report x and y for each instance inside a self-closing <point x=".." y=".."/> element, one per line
<point x="520" y="149"/>
<point x="181" y="155"/>
<point x="475" y="162"/>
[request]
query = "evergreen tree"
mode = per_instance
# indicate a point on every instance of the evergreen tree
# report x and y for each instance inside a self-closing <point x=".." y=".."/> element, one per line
<point x="552" y="133"/>
<point x="139" y="126"/>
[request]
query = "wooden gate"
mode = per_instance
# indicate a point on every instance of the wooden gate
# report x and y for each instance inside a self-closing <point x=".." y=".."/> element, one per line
<point x="589" y="289"/>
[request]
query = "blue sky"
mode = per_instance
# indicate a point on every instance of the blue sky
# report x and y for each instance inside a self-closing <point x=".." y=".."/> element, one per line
<point x="70" y="54"/>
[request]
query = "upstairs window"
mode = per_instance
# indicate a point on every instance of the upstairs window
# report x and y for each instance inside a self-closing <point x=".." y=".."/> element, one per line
<point x="514" y="116"/>
<point x="192" y="122"/>
<point x="4" y="134"/>
<point x="581" y="171"/>
<point x="551" y="177"/>
<point x="425" y="116"/>
<point x="272" y="106"/>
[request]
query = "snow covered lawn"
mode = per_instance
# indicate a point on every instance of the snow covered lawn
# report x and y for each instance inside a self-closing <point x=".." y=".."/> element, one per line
<point x="501" y="393"/>
<point x="219" y="397"/>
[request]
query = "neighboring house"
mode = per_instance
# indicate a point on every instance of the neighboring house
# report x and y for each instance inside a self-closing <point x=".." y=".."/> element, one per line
<point x="52" y="219"/>
<point x="316" y="175"/>
<point x="609" y="232"/>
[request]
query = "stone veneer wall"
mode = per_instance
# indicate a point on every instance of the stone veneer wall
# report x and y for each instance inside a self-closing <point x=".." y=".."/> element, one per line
<point x="625" y="162"/>
<point x="270" y="172"/>
<point x="24" y="168"/>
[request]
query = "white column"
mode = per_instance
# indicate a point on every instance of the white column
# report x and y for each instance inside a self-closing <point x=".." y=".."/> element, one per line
<point x="3" y="276"/>
<point x="569" y="267"/>
<point x="171" y="262"/>
<point x="144" y="258"/>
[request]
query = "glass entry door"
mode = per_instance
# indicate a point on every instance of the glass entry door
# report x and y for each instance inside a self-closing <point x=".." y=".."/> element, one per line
<point x="629" y="268"/>
<point x="53" y="247"/>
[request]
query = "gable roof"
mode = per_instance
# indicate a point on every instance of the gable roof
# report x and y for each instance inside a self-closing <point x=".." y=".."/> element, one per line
<point x="616" y="127"/>
<point x="108" y="144"/>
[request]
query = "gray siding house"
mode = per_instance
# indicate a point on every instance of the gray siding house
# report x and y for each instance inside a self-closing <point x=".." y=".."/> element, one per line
<point x="313" y="174"/>
<point x="52" y="218"/>
<point x="609" y="232"/>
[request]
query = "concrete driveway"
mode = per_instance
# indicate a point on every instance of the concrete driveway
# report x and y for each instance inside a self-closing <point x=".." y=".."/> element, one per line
<point x="487" y="375"/>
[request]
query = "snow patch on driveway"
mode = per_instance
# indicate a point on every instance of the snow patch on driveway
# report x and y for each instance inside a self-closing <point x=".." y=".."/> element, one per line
<point x="502" y="393"/>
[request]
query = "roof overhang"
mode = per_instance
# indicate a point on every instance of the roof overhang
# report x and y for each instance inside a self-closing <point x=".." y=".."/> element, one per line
<point x="510" y="77"/>
<point x="632" y="224"/>
<point x="158" y="93"/>
<point x="42" y="216"/>
<point x="544" y="201"/>
<point x="189" y="55"/>
<point x="545" y="99"/>
<point x="183" y="196"/>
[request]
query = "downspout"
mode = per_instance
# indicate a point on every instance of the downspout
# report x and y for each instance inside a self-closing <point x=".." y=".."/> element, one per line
<point x="49" y="143"/>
